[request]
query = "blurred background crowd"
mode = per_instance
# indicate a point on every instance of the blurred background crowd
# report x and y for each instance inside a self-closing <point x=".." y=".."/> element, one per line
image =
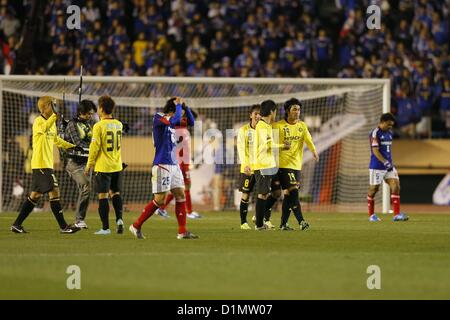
<point x="250" y="38"/>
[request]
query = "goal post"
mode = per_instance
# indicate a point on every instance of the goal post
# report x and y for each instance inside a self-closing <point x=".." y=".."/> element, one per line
<point x="339" y="113"/>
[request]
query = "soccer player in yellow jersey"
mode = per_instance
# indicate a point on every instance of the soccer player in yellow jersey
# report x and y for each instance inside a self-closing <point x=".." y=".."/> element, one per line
<point x="295" y="131"/>
<point x="244" y="145"/>
<point x="105" y="154"/>
<point x="262" y="159"/>
<point x="43" y="179"/>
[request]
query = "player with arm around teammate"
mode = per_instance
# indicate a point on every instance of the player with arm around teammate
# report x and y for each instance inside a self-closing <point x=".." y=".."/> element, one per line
<point x="382" y="168"/>
<point x="295" y="131"/>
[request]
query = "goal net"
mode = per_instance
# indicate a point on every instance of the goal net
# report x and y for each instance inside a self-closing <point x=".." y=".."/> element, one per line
<point x="339" y="114"/>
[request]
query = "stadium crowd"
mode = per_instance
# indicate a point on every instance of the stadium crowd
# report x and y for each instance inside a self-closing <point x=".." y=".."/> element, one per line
<point x="249" y="38"/>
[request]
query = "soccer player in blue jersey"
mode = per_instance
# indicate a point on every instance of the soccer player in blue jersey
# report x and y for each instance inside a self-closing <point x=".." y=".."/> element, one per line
<point x="166" y="173"/>
<point x="382" y="168"/>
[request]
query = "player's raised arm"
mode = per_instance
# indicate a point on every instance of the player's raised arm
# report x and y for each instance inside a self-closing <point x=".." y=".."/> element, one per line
<point x="171" y="116"/>
<point x="176" y="118"/>
<point x="43" y="124"/>
<point x="189" y="116"/>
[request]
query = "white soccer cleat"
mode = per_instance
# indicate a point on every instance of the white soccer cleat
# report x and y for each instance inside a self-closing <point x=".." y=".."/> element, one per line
<point x="136" y="232"/>
<point x="269" y="225"/>
<point x="103" y="232"/>
<point x="187" y="235"/>
<point x="195" y="213"/>
<point x="81" y="224"/>
<point x="245" y="226"/>
<point x="254" y="219"/>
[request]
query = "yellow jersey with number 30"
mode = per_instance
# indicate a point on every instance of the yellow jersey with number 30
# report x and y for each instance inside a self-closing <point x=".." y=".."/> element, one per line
<point x="297" y="134"/>
<point x="105" y="147"/>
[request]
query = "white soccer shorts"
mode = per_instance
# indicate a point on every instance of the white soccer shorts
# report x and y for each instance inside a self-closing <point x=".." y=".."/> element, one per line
<point x="166" y="177"/>
<point x="377" y="176"/>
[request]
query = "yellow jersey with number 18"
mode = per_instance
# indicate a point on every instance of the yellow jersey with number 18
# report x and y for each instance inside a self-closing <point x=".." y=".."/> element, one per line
<point x="105" y="147"/>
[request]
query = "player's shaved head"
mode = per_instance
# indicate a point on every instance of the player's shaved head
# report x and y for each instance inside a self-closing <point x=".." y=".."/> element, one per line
<point x="43" y="102"/>
<point x="107" y="104"/>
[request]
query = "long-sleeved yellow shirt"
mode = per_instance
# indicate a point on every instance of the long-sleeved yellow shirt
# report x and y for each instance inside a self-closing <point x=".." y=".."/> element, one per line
<point x="245" y="140"/>
<point x="262" y="155"/>
<point x="105" y="147"/>
<point x="44" y="137"/>
<point x="297" y="134"/>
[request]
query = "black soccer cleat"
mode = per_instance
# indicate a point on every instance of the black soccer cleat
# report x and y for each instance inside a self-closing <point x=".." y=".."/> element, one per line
<point x="119" y="226"/>
<point x="304" y="225"/>
<point x="286" y="227"/>
<point x="18" y="229"/>
<point x="70" y="229"/>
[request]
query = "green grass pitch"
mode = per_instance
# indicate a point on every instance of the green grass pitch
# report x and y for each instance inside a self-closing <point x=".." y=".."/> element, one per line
<point x="329" y="261"/>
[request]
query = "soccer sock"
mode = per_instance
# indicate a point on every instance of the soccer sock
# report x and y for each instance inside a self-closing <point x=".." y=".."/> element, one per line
<point x="187" y="193"/>
<point x="261" y="208"/>
<point x="169" y="198"/>
<point x="395" y="200"/>
<point x="371" y="205"/>
<point x="55" y="205"/>
<point x="103" y="211"/>
<point x="269" y="203"/>
<point x="118" y="206"/>
<point x="180" y="211"/>
<point x="295" y="205"/>
<point x="25" y="210"/>
<point x="148" y="211"/>
<point x="243" y="210"/>
<point x="285" y="210"/>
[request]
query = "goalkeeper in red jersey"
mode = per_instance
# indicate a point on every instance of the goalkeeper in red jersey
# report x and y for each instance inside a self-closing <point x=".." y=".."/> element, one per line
<point x="183" y="152"/>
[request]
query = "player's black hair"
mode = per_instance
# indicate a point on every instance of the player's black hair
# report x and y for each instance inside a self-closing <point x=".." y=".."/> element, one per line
<point x="85" y="106"/>
<point x="255" y="107"/>
<point x="267" y="107"/>
<point x="288" y="105"/>
<point x="170" y="106"/>
<point x="387" y="117"/>
<point x="107" y="104"/>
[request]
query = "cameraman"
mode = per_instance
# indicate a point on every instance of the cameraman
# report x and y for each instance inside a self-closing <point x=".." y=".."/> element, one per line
<point x="79" y="132"/>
